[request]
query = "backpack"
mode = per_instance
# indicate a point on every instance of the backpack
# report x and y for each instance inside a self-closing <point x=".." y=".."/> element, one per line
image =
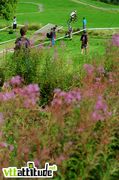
<point x="22" y="43"/>
<point x="48" y="35"/>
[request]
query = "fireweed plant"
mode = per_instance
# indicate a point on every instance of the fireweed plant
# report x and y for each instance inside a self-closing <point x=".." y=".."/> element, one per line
<point x="78" y="129"/>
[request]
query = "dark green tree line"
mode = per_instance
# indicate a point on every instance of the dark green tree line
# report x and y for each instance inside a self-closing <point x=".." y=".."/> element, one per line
<point x="110" y="1"/>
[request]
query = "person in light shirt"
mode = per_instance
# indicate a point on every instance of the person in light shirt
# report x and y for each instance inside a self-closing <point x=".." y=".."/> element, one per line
<point x="14" y="23"/>
<point x="73" y="15"/>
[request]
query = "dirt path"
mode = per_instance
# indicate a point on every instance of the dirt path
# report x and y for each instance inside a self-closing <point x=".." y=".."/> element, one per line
<point x="92" y="29"/>
<point x="40" y="8"/>
<point x="96" y="7"/>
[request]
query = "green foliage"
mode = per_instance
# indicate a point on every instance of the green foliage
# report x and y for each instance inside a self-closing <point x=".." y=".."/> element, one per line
<point x="34" y="27"/>
<point x="64" y="134"/>
<point x="7" y="8"/>
<point x="24" y="63"/>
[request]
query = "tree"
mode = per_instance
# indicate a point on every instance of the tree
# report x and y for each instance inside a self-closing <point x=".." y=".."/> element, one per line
<point x="7" y="8"/>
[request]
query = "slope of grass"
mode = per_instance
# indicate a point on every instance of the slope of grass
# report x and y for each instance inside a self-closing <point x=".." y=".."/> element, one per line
<point x="57" y="12"/>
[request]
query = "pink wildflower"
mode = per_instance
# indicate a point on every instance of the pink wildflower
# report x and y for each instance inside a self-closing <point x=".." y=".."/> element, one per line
<point x="16" y="81"/>
<point x="37" y="163"/>
<point x="80" y="130"/>
<point x="9" y="95"/>
<point x="3" y="144"/>
<point x="56" y="102"/>
<point x="101" y="69"/>
<point x="1" y="118"/>
<point x="88" y="68"/>
<point x="100" y="105"/>
<point x="6" y="85"/>
<point x="115" y="40"/>
<point x="60" y="159"/>
<point x="11" y="147"/>
<point x="97" y="116"/>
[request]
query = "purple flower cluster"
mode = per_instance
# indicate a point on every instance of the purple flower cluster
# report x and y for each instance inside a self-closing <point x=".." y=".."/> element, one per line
<point x="115" y="40"/>
<point x="100" y="104"/>
<point x="100" y="110"/>
<point x="88" y="68"/>
<point x="16" y="81"/>
<point x="62" y="97"/>
<point x="1" y="118"/>
<point x="7" y="96"/>
<point x="5" y="145"/>
<point x="29" y="94"/>
<point x="101" y="69"/>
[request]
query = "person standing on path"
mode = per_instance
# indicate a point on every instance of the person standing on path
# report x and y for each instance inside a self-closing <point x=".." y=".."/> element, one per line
<point x="14" y="23"/>
<point x="70" y="32"/>
<point x="53" y="35"/>
<point x="84" y="23"/>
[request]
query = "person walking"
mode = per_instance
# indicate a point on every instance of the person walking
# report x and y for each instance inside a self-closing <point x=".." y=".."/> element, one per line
<point x="84" y="43"/>
<point x="22" y="41"/>
<point x="70" y="32"/>
<point x="53" y="35"/>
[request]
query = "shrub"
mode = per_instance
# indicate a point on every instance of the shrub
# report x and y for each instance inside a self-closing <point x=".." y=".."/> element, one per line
<point x="34" y="27"/>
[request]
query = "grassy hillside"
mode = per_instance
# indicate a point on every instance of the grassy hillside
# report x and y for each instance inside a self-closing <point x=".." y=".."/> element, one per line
<point x="57" y="12"/>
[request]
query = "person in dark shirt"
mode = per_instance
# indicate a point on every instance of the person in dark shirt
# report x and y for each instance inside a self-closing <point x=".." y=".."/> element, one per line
<point x="84" y="43"/>
<point x="22" y="42"/>
<point x="53" y="35"/>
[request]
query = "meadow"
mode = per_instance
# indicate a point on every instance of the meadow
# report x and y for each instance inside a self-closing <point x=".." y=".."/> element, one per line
<point x="49" y="12"/>
<point x="56" y="104"/>
<point x="57" y="12"/>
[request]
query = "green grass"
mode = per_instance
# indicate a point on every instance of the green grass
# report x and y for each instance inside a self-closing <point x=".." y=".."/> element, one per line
<point x="100" y="4"/>
<point x="23" y="7"/>
<point x="57" y="12"/>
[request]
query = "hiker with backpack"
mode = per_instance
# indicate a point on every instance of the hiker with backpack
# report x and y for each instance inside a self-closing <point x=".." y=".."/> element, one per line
<point x="22" y="42"/>
<point x="84" y="43"/>
<point x="52" y="35"/>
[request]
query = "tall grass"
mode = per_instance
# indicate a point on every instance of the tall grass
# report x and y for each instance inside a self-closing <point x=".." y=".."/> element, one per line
<point x="77" y="128"/>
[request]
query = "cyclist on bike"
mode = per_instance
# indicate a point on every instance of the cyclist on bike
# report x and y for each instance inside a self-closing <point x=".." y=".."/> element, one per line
<point x="73" y="15"/>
